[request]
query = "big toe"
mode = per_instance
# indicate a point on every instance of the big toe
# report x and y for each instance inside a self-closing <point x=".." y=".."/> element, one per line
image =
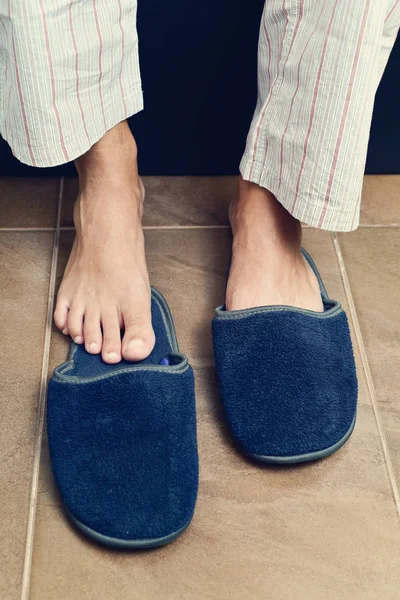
<point x="138" y="342"/>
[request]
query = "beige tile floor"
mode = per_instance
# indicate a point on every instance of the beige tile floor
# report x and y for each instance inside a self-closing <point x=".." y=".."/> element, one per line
<point x="328" y="530"/>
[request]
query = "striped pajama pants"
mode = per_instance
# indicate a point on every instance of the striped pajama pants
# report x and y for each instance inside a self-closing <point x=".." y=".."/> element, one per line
<point x="69" y="71"/>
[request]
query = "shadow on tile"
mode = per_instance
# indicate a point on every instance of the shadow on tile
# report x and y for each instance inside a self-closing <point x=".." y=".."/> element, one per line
<point x="173" y="201"/>
<point x="28" y="202"/>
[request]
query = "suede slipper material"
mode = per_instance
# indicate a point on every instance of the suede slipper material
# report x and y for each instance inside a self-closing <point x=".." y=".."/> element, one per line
<point x="122" y="441"/>
<point x="287" y="379"/>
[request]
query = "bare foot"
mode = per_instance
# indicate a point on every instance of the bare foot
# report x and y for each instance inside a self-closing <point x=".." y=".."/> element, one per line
<point x="106" y="285"/>
<point x="267" y="265"/>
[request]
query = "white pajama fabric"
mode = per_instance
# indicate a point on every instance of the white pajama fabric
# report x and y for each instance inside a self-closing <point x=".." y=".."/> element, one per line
<point x="320" y="63"/>
<point x="69" y="71"/>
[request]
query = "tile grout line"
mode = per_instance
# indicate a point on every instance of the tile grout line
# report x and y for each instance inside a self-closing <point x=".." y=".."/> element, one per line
<point x="27" y="229"/>
<point x="185" y="227"/>
<point x="41" y="407"/>
<point x="367" y="371"/>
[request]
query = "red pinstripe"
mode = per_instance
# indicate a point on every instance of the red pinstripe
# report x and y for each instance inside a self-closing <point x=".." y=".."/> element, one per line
<point x="19" y="87"/>
<point x="392" y="11"/>
<point x="52" y="81"/>
<point x="313" y="105"/>
<point x="71" y="25"/>
<point x="96" y="16"/>
<point x="346" y="110"/>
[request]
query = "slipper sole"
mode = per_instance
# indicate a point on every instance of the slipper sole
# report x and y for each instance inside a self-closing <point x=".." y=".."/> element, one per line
<point x="112" y="542"/>
<point x="303" y="458"/>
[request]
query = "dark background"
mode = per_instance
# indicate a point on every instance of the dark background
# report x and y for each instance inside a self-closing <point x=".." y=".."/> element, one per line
<point x="199" y="80"/>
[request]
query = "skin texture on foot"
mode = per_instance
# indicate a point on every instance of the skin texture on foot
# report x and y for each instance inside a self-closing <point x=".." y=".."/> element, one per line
<point x="106" y="287"/>
<point x="268" y="267"/>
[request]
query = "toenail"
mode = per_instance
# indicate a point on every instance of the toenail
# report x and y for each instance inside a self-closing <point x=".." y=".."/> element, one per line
<point x="78" y="339"/>
<point x="112" y="356"/>
<point x="135" y="344"/>
<point x="93" y="347"/>
<point x="65" y="331"/>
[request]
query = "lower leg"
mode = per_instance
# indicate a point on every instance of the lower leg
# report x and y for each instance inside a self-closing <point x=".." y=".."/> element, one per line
<point x="105" y="286"/>
<point x="268" y="267"/>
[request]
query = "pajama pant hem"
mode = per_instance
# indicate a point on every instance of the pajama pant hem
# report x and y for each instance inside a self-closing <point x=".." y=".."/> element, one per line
<point x="306" y="210"/>
<point x="78" y="143"/>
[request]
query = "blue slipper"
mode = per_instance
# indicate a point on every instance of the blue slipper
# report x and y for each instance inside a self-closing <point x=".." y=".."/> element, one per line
<point x="287" y="379"/>
<point x="122" y="441"/>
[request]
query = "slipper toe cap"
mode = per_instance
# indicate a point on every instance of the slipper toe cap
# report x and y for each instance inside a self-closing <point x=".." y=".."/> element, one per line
<point x="124" y="452"/>
<point x="287" y="380"/>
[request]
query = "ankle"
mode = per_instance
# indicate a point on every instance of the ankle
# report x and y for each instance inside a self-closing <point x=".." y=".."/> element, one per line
<point x="116" y="205"/>
<point x="260" y="222"/>
<point x="111" y="162"/>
